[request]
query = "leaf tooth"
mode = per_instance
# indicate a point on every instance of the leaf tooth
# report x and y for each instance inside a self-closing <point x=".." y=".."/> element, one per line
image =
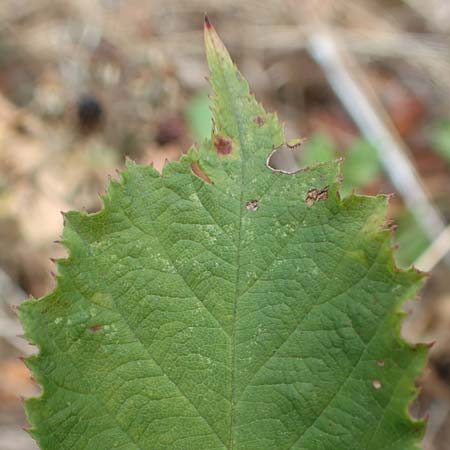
<point x="129" y="162"/>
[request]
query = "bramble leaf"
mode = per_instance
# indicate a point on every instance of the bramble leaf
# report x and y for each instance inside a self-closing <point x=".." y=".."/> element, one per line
<point x="223" y="305"/>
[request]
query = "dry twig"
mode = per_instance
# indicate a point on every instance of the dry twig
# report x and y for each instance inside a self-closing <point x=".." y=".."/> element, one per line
<point x="349" y="84"/>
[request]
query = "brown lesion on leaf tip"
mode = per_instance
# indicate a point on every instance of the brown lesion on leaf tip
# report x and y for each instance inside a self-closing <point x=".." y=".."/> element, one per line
<point x="95" y="328"/>
<point x="208" y="24"/>
<point x="314" y="195"/>
<point x="223" y="145"/>
<point x="199" y="172"/>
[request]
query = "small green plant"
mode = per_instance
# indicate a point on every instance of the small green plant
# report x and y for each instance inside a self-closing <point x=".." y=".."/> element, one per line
<point x="224" y="305"/>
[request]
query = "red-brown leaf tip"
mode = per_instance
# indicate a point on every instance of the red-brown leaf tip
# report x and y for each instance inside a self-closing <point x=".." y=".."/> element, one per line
<point x="208" y="25"/>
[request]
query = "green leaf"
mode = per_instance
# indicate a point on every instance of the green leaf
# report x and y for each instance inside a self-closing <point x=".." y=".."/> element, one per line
<point x="225" y="306"/>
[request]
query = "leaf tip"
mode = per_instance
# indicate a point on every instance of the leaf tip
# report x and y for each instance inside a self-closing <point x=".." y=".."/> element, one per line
<point x="207" y="23"/>
<point x="129" y="163"/>
<point x="214" y="46"/>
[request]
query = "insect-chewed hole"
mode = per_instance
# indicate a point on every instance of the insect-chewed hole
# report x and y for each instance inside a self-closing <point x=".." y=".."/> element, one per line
<point x="252" y="205"/>
<point x="282" y="158"/>
<point x="377" y="384"/>
<point x="315" y="195"/>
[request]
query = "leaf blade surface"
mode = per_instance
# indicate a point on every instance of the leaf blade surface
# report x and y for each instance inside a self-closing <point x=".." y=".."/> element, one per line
<point x="244" y="310"/>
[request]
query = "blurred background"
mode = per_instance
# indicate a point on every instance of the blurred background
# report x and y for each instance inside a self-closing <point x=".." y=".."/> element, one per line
<point x="83" y="83"/>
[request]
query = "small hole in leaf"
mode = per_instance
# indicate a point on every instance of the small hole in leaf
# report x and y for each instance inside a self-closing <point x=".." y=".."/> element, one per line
<point x="377" y="384"/>
<point x="380" y="363"/>
<point x="282" y="158"/>
<point x="315" y="195"/>
<point x="252" y="205"/>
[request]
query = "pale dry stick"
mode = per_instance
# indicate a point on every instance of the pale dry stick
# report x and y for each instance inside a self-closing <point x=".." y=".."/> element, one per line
<point x="422" y="50"/>
<point x="385" y="42"/>
<point x="434" y="254"/>
<point x="349" y="84"/>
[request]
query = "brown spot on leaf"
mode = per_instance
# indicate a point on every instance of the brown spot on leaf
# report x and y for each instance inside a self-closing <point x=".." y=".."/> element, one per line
<point x="391" y="225"/>
<point x="199" y="172"/>
<point x="252" y="205"/>
<point x="223" y="145"/>
<point x="259" y="120"/>
<point x="315" y="195"/>
<point x="95" y="328"/>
